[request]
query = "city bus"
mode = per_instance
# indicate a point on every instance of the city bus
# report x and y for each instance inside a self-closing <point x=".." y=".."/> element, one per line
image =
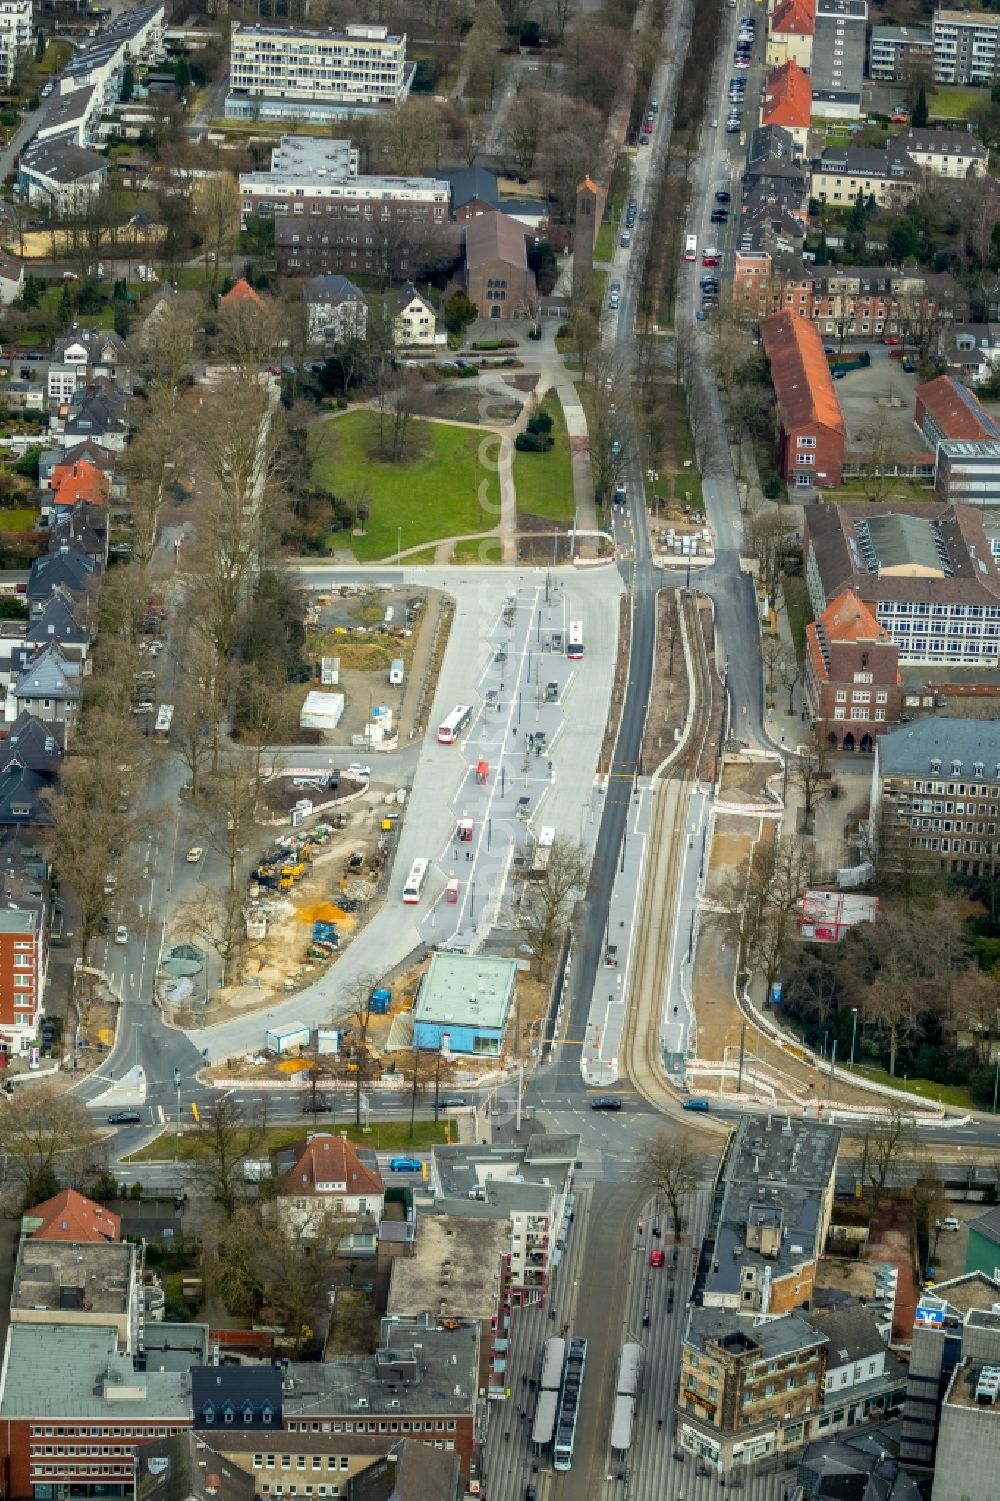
<point x="450" y="728"/>
<point x="164" y="719"/>
<point x="413" y="890"/>
<point x="574" y="649"/>
<point x="691" y="248"/>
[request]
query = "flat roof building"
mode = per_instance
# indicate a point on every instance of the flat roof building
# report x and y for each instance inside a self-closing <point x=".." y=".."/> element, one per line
<point x="464" y="1000"/>
<point x="314" y="73"/>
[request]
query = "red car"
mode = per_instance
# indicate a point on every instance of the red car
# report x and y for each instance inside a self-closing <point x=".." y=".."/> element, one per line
<point x="892" y="341"/>
<point x="709" y="260"/>
<point x="657" y="1258"/>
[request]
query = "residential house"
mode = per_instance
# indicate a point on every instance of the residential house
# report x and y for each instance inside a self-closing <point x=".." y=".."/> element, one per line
<point x="851" y="680"/>
<point x="414" y="322"/>
<point x="51" y="458"/>
<point x="497" y="276"/>
<point x="93" y="353"/>
<point x="328" y="1175"/>
<point x="788" y="101"/>
<point x="926" y="571"/>
<point x="934" y="784"/>
<point x="241" y="293"/>
<point x="966" y="46"/>
<point x="11" y="278"/>
<point x="83" y="527"/>
<point x="49" y="687"/>
<point x="790" y="33"/>
<point x="25" y="798"/>
<point x="98" y="412"/>
<point x="57" y="621"/>
<point x="893" y="51"/>
<point x="774" y="159"/>
<point x="32" y="746"/>
<point x="71" y="1216"/>
<point x="410" y="1472"/>
<point x="843" y="173"/>
<point x="864" y="1463"/>
<point x="838" y="58"/>
<point x="941" y="153"/>
<point x="812" y="433"/>
<point x="70" y="568"/>
<point x="76" y="483"/>
<point x="336" y="309"/>
<point x="60" y="177"/>
<point x="970" y="352"/>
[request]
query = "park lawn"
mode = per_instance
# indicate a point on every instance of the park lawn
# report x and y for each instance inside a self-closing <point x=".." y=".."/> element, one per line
<point x="418" y="559"/>
<point x="385" y="1136"/>
<point x="895" y="488"/>
<point x="447" y="491"/>
<point x="950" y="102"/>
<point x="471" y="551"/>
<point x="945" y="1094"/>
<point x="544" y="481"/>
<point x="18" y="521"/>
<point x="55" y="57"/>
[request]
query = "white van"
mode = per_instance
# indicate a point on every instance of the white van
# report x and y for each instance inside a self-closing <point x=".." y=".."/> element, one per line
<point x="396" y="672"/>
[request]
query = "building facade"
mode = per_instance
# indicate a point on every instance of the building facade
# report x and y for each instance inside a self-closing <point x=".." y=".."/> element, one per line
<point x="965" y="46"/>
<point x="303" y="72"/>
<point x="790" y="33"/>
<point x="936" y="796"/>
<point x="838" y="61"/>
<point x="497" y="276"/>
<point x="16" y="35"/>
<point x="812" y="435"/>
<point x="894" y="49"/>
<point x="23" y="963"/>
<point x="851" y="675"/>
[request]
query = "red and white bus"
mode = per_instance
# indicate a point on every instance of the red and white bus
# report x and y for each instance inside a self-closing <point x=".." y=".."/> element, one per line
<point x="691" y="248"/>
<point x="450" y="729"/>
<point x="574" y="648"/>
<point x="414" y="887"/>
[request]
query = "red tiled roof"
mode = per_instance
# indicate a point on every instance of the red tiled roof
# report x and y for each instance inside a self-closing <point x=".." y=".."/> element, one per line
<point x="795" y="17"/>
<point x="331" y="1159"/>
<point x="788" y="97"/>
<point x="800" y="373"/>
<point x="955" y="410"/>
<point x="848" y="618"/>
<point x="79" y="481"/>
<point x="241" y="291"/>
<point x="72" y="1217"/>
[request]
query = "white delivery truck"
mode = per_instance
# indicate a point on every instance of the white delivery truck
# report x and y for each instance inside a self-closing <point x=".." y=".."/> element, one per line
<point x="396" y="672"/>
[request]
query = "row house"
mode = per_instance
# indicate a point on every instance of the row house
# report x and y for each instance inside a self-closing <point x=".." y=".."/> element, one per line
<point x="848" y="302"/>
<point x="787" y="101"/>
<point x="842" y="172"/>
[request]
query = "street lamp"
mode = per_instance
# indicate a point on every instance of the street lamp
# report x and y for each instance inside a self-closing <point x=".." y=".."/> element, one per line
<point x="996" y="1082"/>
<point x="854" y="1033"/>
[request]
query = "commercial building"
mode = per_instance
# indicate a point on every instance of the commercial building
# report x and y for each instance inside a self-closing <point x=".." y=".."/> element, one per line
<point x="16" y="36"/>
<point x="463" y="1004"/>
<point x="306" y="73"/>
<point x="811" y="428"/>
<point x="935" y="796"/>
<point x="526" y="1187"/>
<point x="965" y="46"/>
<point x="497" y="276"/>
<point x="968" y="1450"/>
<point x="838" y="58"/>
<point x="926" y="571"/>
<point x="790" y="33"/>
<point x="955" y="1321"/>
<point x="893" y="50"/>
<point x="788" y="101"/>
<point x="851" y="675"/>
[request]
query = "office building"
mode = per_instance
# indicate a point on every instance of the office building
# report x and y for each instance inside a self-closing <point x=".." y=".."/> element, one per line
<point x="314" y="73"/>
<point x="464" y="1002"/>
<point x="954" y="1321"/>
<point x="968" y="1450"/>
<point x="318" y="179"/>
<point x="935" y="796"/>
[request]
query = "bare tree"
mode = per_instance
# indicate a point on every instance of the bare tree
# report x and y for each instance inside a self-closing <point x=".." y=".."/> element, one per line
<point x="811" y="775"/>
<point x="360" y="996"/>
<point x="229" y="1133"/>
<point x="281" y="1260"/>
<point x="887" y="1144"/>
<point x="47" y="1136"/>
<point x="217" y="214"/>
<point x="668" y="1165"/>
<point x="546" y="905"/>
<point x="757" y="906"/>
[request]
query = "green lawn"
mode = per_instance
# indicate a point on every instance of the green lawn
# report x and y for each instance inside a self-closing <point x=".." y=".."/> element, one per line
<point x="425" y="555"/>
<point x="799" y="610"/>
<point x="487" y="551"/>
<point x="949" y="102"/>
<point x="895" y="489"/>
<point x="384" y="1135"/>
<point x="448" y="490"/>
<point x="604" y="245"/>
<point x="18" y="521"/>
<point x="56" y="56"/>
<point x="945" y="1094"/>
<point x="544" y="481"/>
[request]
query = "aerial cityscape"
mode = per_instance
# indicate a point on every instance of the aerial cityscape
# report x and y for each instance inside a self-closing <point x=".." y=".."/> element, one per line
<point x="499" y="751"/>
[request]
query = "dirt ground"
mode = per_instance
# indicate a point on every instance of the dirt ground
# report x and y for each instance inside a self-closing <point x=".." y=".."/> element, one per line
<point x="749" y="777"/>
<point x="352" y="628"/>
<point x="618" y="686"/>
<point x="462" y="401"/>
<point x="668" y="697"/>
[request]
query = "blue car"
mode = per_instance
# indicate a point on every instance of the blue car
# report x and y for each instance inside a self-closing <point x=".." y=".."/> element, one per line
<point x="701" y="1105"/>
<point x="405" y="1164"/>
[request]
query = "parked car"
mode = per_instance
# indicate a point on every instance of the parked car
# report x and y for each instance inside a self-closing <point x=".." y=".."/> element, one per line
<point x="626" y="239"/>
<point x="121" y="933"/>
<point x="723" y="196"/>
<point x="194" y="854"/>
<point x="948" y="1223"/>
<point x="700" y="315"/>
<point x="892" y="341"/>
<point x="405" y="1164"/>
<point x="358" y="771"/>
<point x="644" y="139"/>
<point x="701" y="1105"/>
<point x="124" y="1118"/>
<point x="452" y="1101"/>
<point x="606" y="1102"/>
<point x="719" y="216"/>
<point x="145" y="706"/>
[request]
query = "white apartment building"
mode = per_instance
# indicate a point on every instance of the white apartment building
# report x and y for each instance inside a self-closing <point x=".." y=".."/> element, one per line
<point x="965" y="46"/>
<point x="15" y="34"/>
<point x="314" y="73"/>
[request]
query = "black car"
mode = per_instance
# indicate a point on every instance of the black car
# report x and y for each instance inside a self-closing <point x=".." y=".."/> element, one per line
<point x="723" y="196"/>
<point x="709" y="284"/>
<point x="606" y="1102"/>
<point x="451" y="1101"/>
<point x="719" y="216"/>
<point x="125" y="1118"/>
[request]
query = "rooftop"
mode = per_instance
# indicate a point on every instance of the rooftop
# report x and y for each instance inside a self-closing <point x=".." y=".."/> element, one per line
<point x="411" y="1471"/>
<point x="466" y="989"/>
<point x="74" y="1278"/>
<point x="70" y="1216"/>
<point x="357" y="33"/>
<point x="511" y="1178"/>
<point x="788" y="97"/>
<point x="60" y="1371"/>
<point x="800" y="373"/>
<point x="975" y="1384"/>
<point x="186" y="1468"/>
<point x="455" y="1267"/>
<point x="853" y="1334"/>
<point x="951" y="1303"/>
<point x="955" y="747"/>
<point x="795" y="17"/>
<point x="956" y="412"/>
<point x="419" y="1367"/>
<point x="327" y="1164"/>
<point x="62" y="162"/>
<point x="495" y="237"/>
<point x="314" y="154"/>
<point x="760" y="1341"/>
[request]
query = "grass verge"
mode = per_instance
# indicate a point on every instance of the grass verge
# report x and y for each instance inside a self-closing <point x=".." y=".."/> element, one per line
<point x="799" y="610"/>
<point x="386" y="1136"/>
<point x="446" y="489"/>
<point x="544" y="481"/>
<point x="470" y="551"/>
<point x="18" y="521"/>
<point x="945" y="1094"/>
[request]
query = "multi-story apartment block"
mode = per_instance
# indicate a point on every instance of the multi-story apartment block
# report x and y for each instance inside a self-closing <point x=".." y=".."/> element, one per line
<point x="314" y="73"/>
<point x="838" y="58"/>
<point x="15" y="35"/>
<point x="848" y="302"/>
<point x="23" y="962"/>
<point x="941" y="153"/>
<point x="935" y="796"/>
<point x="892" y="50"/>
<point x="965" y="46"/>
<point x="926" y="570"/>
<point x="851" y="678"/>
<point x="842" y="172"/>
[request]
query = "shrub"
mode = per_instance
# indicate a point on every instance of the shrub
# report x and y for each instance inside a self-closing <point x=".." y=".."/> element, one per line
<point x="529" y="442"/>
<point x="771" y="486"/>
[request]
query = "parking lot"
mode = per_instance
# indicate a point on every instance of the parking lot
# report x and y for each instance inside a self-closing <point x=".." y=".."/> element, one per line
<point x="883" y="394"/>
